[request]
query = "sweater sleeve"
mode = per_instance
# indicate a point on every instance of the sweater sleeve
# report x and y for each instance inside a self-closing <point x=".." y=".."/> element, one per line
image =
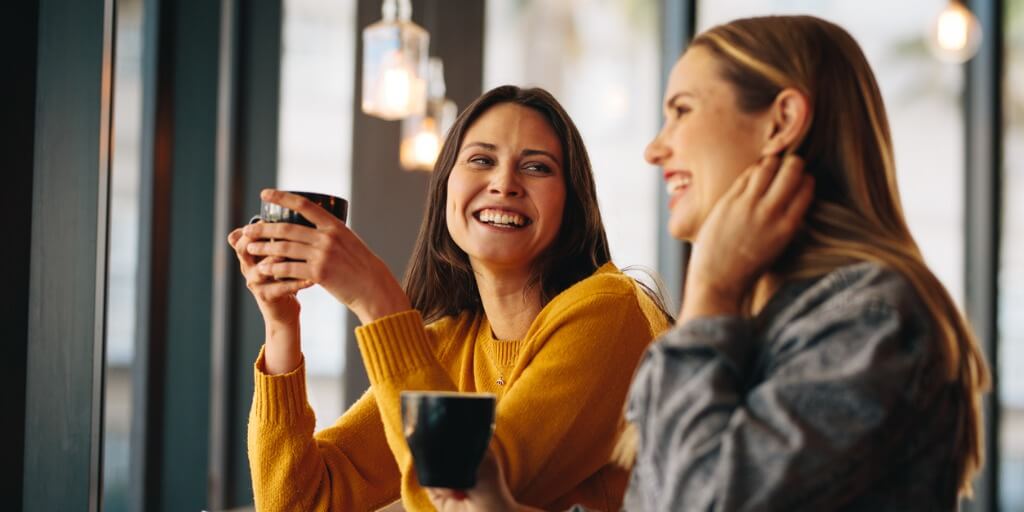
<point x="558" y="419"/>
<point x="347" y="466"/>
<point x="808" y="434"/>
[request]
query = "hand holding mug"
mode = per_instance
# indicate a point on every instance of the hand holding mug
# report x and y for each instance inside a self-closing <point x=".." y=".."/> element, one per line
<point x="328" y="254"/>
<point x="745" y="233"/>
<point x="490" y="494"/>
<point x="276" y="299"/>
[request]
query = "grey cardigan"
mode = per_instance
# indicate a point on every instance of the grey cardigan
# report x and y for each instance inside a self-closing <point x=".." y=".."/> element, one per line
<point x="830" y="399"/>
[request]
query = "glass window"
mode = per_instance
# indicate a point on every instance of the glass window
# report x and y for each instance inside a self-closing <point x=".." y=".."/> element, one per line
<point x="922" y="97"/>
<point x="1011" y="273"/>
<point x="315" y="154"/>
<point x="124" y="242"/>
<point x="601" y="59"/>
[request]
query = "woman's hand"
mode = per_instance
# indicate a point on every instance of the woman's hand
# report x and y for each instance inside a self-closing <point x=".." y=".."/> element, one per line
<point x="330" y="255"/>
<point x="746" y="231"/>
<point x="276" y="299"/>
<point x="491" y="493"/>
<point x="278" y="305"/>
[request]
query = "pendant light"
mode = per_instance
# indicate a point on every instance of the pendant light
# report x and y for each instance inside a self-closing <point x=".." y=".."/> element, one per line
<point x="395" y="63"/>
<point x="423" y="135"/>
<point x="955" y="34"/>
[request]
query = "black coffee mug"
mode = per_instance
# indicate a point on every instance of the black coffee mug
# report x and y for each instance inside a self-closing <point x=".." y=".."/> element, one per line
<point x="448" y="434"/>
<point x="270" y="212"/>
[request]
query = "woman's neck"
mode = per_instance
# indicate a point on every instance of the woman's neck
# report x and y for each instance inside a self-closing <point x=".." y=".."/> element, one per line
<point x="508" y="301"/>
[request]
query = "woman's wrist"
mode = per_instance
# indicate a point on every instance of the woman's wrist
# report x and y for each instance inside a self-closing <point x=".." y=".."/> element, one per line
<point x="706" y="301"/>
<point x="282" y="352"/>
<point x="381" y="306"/>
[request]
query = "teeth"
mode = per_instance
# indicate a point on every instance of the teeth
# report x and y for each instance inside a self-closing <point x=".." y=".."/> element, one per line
<point x="501" y="218"/>
<point x="676" y="183"/>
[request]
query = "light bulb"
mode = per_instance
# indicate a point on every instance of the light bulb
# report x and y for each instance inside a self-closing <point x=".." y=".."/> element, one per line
<point x="421" y="143"/>
<point x="397" y="87"/>
<point x="427" y="145"/>
<point x="955" y="34"/>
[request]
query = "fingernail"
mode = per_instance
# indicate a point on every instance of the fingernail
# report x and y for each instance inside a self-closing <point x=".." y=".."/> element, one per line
<point x="266" y="193"/>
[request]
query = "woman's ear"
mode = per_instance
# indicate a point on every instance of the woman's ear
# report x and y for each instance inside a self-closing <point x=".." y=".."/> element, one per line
<point x="790" y="114"/>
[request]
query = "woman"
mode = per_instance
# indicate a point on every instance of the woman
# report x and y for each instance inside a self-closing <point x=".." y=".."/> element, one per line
<point x="818" y="364"/>
<point x="510" y="291"/>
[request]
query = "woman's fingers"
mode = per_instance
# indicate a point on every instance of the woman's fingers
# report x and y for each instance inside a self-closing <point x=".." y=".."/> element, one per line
<point x="276" y="290"/>
<point x="786" y="184"/>
<point x="281" y="249"/>
<point x="280" y="269"/>
<point x="313" y="213"/>
<point x="797" y="208"/>
<point x="281" y="231"/>
<point x="762" y="175"/>
<point x="241" y="242"/>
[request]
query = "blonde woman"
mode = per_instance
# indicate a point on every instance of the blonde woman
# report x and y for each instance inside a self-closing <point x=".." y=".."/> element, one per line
<point x="817" y="363"/>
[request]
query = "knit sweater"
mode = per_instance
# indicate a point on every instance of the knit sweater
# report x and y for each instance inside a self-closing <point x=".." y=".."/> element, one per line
<point x="560" y="395"/>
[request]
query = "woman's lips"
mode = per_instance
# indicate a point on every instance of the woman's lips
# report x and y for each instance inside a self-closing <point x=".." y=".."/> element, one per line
<point x="676" y="184"/>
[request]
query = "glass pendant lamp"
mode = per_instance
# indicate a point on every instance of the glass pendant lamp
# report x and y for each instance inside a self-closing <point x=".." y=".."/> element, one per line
<point x="395" y="64"/>
<point x="422" y="135"/>
<point x="955" y="34"/>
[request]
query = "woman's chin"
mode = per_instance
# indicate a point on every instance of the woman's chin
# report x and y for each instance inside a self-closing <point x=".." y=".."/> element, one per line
<point x="682" y="230"/>
<point x="498" y="261"/>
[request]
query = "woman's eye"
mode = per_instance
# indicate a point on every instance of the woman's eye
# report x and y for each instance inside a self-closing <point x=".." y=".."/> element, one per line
<point x="679" y="110"/>
<point x="480" y="161"/>
<point x="537" y="168"/>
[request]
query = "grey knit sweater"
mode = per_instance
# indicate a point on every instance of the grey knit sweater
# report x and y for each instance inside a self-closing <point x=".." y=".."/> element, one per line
<point x="830" y="399"/>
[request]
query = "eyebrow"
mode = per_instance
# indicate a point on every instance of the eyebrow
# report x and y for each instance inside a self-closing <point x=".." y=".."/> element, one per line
<point x="526" y="152"/>
<point x="488" y="147"/>
<point x="676" y="96"/>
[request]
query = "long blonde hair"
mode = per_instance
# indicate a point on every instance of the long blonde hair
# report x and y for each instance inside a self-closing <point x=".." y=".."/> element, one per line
<point x="857" y="215"/>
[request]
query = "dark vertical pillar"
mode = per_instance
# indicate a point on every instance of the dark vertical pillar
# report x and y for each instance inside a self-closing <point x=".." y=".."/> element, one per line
<point x="176" y="255"/>
<point x="67" y="270"/>
<point x="254" y="149"/>
<point x="983" y="131"/>
<point x="147" y="371"/>
<point x="387" y="203"/>
<point x="19" y="35"/>
<point x="678" y="26"/>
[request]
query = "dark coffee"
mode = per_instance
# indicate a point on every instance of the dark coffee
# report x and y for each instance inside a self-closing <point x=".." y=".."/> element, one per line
<point x="448" y="434"/>
<point x="270" y="212"/>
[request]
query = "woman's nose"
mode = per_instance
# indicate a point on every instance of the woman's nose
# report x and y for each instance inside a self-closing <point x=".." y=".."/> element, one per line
<point x="505" y="182"/>
<point x="656" y="152"/>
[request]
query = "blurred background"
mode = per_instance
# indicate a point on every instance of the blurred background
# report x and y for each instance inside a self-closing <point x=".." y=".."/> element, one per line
<point x="213" y="101"/>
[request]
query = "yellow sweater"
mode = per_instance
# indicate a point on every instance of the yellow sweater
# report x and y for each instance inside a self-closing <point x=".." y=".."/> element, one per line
<point x="560" y="397"/>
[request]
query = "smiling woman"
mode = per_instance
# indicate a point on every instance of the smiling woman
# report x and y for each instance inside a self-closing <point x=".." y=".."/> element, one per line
<point x="510" y="291"/>
<point x="505" y="198"/>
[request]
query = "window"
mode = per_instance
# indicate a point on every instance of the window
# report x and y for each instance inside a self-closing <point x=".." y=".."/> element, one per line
<point x="1011" y="272"/>
<point x="124" y="250"/>
<point x="601" y="60"/>
<point x="315" y="150"/>
<point x="923" y="100"/>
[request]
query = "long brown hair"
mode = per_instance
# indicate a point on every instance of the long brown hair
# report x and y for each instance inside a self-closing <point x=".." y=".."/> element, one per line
<point x="857" y="215"/>
<point x="440" y="280"/>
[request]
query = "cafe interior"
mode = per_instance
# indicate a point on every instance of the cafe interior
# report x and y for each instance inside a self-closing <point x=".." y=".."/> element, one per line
<point x="140" y="132"/>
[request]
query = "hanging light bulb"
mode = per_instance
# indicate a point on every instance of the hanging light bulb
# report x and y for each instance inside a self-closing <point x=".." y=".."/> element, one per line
<point x="395" y="63"/>
<point x="956" y="34"/>
<point x="423" y="135"/>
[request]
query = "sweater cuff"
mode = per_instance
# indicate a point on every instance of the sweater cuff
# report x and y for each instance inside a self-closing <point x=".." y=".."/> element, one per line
<point x="394" y="345"/>
<point x="280" y="398"/>
<point x="731" y="337"/>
